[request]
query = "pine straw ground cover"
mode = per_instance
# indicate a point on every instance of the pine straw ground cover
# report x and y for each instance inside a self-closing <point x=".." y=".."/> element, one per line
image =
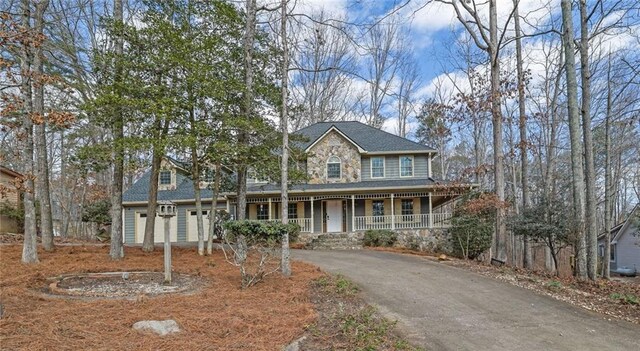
<point x="618" y="299"/>
<point x="220" y="316"/>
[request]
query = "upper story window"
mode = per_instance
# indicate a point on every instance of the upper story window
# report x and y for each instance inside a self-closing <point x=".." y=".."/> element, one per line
<point x="377" y="167"/>
<point x="165" y="177"/>
<point x="334" y="168"/>
<point x="406" y="166"/>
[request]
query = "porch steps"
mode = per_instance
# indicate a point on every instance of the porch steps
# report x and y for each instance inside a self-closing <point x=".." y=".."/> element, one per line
<point x="336" y="241"/>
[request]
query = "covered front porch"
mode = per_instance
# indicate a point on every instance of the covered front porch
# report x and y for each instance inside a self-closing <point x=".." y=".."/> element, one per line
<point x="339" y="213"/>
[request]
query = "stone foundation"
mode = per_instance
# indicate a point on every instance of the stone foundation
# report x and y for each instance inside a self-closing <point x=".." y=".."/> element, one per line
<point x="432" y="240"/>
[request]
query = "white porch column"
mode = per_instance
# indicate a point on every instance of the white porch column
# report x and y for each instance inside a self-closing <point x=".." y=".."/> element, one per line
<point x="393" y="214"/>
<point x="313" y="228"/>
<point x="353" y="213"/>
<point x="430" y="212"/>
<point x="270" y="209"/>
<point x="228" y="206"/>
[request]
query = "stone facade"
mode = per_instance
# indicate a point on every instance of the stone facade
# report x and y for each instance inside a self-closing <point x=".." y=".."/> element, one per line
<point x="432" y="240"/>
<point x="334" y="144"/>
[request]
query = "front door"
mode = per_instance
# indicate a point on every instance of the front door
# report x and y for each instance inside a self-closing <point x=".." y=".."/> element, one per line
<point x="334" y="216"/>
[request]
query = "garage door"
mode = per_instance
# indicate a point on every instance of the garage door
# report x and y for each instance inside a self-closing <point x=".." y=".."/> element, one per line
<point x="192" y="225"/>
<point x="141" y="219"/>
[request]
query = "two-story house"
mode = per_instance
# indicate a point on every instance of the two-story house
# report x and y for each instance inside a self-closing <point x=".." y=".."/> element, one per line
<point x="359" y="178"/>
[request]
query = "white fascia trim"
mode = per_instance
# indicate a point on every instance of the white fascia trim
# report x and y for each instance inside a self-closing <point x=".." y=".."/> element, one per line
<point x="333" y="128"/>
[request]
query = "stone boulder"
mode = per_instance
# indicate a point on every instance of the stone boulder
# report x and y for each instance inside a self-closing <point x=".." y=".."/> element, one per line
<point x="161" y="328"/>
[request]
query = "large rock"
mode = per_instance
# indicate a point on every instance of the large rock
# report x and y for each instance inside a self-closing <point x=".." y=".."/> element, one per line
<point x="161" y="328"/>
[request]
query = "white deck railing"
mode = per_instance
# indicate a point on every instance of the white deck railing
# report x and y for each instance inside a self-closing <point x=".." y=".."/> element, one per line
<point x="435" y="220"/>
<point x="304" y="223"/>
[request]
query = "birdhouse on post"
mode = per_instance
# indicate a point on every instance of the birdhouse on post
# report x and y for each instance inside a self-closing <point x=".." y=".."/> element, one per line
<point x="166" y="210"/>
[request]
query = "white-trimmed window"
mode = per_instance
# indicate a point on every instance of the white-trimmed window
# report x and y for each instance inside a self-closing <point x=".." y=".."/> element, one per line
<point x="292" y="210"/>
<point x="377" y="167"/>
<point x="406" y="166"/>
<point x="406" y="206"/>
<point x="165" y="177"/>
<point x="334" y="166"/>
<point x="262" y="212"/>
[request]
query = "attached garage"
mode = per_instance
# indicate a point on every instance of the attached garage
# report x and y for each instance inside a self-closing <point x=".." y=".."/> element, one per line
<point x="192" y="224"/>
<point x="141" y="218"/>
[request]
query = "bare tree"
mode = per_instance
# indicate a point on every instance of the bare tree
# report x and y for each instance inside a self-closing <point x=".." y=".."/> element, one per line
<point x="42" y="164"/>
<point x="405" y="96"/>
<point x="29" y="248"/>
<point x="574" y="134"/>
<point x="117" y="249"/>
<point x="522" y="126"/>
<point x="284" y="125"/>
<point x="489" y="40"/>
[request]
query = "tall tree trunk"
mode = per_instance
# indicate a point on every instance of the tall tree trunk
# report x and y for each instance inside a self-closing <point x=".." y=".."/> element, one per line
<point x="607" y="181"/>
<point x="150" y="223"/>
<point x="522" y="125"/>
<point x="42" y="168"/>
<point x="30" y="244"/>
<point x="249" y="37"/>
<point x="284" y="179"/>
<point x="591" y="230"/>
<point x="195" y="173"/>
<point x="213" y="213"/>
<point x="117" y="250"/>
<point x="574" y="135"/>
<point x="498" y="155"/>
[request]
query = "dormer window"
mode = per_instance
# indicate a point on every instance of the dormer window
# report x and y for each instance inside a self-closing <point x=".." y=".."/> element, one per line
<point x="334" y="168"/>
<point x="406" y="166"/>
<point x="377" y="167"/>
<point x="165" y="177"/>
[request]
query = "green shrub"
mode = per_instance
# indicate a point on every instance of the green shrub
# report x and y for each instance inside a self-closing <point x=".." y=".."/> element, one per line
<point x="381" y="237"/>
<point x="263" y="232"/>
<point x="470" y="235"/>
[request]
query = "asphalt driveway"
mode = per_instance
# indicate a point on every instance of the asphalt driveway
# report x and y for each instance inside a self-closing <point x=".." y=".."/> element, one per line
<point x="441" y="307"/>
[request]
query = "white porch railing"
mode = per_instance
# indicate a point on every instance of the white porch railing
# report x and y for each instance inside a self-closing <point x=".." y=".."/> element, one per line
<point x="304" y="223"/>
<point x="416" y="221"/>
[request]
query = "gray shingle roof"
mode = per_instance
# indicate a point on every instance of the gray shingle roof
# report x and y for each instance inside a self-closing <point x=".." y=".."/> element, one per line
<point x="184" y="189"/>
<point x="368" y="138"/>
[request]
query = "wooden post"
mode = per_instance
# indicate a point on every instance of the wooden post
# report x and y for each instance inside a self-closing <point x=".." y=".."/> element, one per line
<point x="430" y="212"/>
<point x="353" y="213"/>
<point x="313" y="228"/>
<point x="167" y="250"/>
<point x="393" y="214"/>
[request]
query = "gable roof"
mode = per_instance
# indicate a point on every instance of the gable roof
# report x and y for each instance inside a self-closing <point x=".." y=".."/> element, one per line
<point x="370" y="139"/>
<point x="618" y="230"/>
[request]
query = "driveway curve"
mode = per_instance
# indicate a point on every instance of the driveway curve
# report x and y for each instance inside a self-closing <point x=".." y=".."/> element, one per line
<point x="440" y="307"/>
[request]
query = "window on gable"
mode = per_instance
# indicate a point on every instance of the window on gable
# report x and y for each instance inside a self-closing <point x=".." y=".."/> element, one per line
<point x="293" y="210"/>
<point x="263" y="212"/>
<point x="377" y="167"/>
<point x="406" y="166"/>
<point x="165" y="177"/>
<point x="407" y="207"/>
<point x="333" y="168"/>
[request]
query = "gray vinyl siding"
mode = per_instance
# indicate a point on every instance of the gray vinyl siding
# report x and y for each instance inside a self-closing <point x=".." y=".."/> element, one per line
<point x="182" y="222"/>
<point x="129" y="224"/>
<point x="628" y="250"/>
<point x="392" y="167"/>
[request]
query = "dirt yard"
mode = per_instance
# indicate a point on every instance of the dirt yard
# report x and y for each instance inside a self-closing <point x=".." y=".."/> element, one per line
<point x="219" y="316"/>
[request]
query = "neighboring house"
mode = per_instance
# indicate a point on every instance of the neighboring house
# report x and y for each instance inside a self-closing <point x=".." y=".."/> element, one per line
<point x="359" y="178"/>
<point x="9" y="196"/>
<point x="625" y="243"/>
